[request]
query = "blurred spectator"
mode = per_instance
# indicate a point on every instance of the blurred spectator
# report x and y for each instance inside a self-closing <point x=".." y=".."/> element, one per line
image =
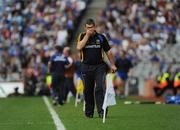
<point x="56" y="67"/>
<point x="69" y="74"/>
<point x="123" y="65"/>
<point x="176" y="82"/>
<point x="30" y="82"/>
<point x="62" y="36"/>
<point x="140" y="27"/>
<point x="29" y="30"/>
<point x="15" y="93"/>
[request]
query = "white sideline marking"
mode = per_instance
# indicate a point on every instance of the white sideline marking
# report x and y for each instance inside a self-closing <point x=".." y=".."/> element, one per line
<point x="59" y="125"/>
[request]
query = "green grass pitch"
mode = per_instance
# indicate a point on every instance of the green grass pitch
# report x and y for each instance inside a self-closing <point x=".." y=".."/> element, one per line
<point x="25" y="113"/>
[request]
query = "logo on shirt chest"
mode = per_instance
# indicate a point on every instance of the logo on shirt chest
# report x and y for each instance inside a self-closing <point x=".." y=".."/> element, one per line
<point x="92" y="46"/>
<point x="98" y="41"/>
<point x="59" y="58"/>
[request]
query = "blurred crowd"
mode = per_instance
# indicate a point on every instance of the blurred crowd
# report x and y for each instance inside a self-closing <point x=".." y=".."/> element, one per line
<point x="30" y="29"/>
<point x="141" y="27"/>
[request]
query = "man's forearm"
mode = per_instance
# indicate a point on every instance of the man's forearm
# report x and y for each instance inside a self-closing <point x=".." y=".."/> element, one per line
<point x="82" y="43"/>
<point x="110" y="57"/>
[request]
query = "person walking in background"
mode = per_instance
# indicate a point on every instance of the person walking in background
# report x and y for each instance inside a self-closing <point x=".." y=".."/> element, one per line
<point x="92" y="46"/>
<point x="176" y="82"/>
<point x="56" y="67"/>
<point x="69" y="74"/>
<point x="78" y="79"/>
<point x="124" y="66"/>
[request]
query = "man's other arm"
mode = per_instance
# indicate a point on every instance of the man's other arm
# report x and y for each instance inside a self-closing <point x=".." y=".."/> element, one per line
<point x="111" y="59"/>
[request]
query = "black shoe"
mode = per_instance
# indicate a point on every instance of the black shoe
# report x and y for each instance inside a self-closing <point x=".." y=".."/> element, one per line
<point x="55" y="103"/>
<point x="61" y="103"/>
<point x="100" y="115"/>
<point x="89" y="116"/>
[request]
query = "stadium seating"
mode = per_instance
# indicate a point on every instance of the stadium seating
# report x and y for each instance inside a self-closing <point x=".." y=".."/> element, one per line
<point x="143" y="29"/>
<point x="29" y="30"/>
<point x="147" y="30"/>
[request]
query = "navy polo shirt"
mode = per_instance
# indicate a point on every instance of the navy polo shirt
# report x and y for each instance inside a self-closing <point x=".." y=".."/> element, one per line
<point x="92" y="53"/>
<point x="58" y="62"/>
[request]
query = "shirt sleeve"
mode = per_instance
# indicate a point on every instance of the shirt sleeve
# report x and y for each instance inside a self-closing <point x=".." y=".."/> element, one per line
<point x="51" y="58"/>
<point x="70" y="60"/>
<point x="116" y="62"/>
<point x="80" y="37"/>
<point x="67" y="62"/>
<point x="105" y="44"/>
<point x="130" y="64"/>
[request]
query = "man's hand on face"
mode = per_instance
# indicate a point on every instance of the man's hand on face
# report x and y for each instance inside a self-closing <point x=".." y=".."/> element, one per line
<point x="90" y="29"/>
<point x="89" y="32"/>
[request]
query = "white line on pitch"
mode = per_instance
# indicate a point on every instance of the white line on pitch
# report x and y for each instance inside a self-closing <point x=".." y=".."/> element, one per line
<point x="59" y="125"/>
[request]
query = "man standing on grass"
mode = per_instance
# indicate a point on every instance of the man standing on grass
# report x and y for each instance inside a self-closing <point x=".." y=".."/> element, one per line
<point x="56" y="67"/>
<point x="92" y="46"/>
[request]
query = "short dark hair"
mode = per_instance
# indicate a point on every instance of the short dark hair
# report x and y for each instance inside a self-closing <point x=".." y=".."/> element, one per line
<point x="90" y="21"/>
<point x="59" y="48"/>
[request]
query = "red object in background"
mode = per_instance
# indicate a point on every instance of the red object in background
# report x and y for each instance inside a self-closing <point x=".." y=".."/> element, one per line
<point x="6" y="33"/>
<point x="176" y="84"/>
<point x="161" y="3"/>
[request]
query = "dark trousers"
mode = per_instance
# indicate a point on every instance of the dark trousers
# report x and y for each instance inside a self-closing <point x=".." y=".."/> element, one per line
<point x="94" y="86"/>
<point x="58" y="87"/>
<point x="159" y="91"/>
<point x="69" y="87"/>
<point x="176" y="90"/>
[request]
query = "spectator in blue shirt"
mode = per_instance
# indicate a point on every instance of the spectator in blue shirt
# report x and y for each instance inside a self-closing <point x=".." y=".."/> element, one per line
<point x="56" y="67"/>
